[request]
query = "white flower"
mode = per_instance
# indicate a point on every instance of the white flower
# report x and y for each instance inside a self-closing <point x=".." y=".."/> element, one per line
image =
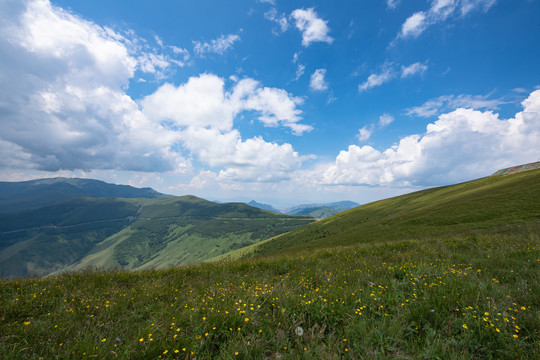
<point x="299" y="331"/>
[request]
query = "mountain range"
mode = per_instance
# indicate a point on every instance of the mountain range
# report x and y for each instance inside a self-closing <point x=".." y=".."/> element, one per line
<point x="68" y="224"/>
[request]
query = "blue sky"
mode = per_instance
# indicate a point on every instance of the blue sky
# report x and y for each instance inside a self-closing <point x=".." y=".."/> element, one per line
<point x="283" y="102"/>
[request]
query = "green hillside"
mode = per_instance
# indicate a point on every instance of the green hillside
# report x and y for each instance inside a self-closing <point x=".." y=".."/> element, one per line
<point x="491" y="204"/>
<point x="17" y="196"/>
<point x="130" y="233"/>
<point x="446" y="273"/>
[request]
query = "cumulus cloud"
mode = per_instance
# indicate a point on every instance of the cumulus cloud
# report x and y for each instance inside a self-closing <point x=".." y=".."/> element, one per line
<point x="460" y="145"/>
<point x="365" y="132"/>
<point x="385" y="120"/>
<point x="64" y="104"/>
<point x="312" y="27"/>
<point x="446" y="102"/>
<point x="441" y="10"/>
<point x="202" y="111"/>
<point x="318" y="83"/>
<point x="63" y="99"/>
<point x="217" y="46"/>
<point x="375" y="80"/>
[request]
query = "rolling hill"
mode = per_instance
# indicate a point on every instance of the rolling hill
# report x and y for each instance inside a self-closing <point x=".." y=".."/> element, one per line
<point x="490" y="204"/>
<point x="444" y="273"/>
<point x="15" y="196"/>
<point x="321" y="211"/>
<point x="131" y="233"/>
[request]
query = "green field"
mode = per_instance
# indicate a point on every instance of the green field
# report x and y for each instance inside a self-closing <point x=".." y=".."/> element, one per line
<point x="446" y="273"/>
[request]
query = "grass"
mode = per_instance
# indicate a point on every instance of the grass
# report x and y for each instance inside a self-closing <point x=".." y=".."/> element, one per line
<point x="445" y="273"/>
<point x="452" y="297"/>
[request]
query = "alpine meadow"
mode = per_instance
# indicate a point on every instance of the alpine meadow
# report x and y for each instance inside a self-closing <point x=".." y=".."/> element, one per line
<point x="270" y="179"/>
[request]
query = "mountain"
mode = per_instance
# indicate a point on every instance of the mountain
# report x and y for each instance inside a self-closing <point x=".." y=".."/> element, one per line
<point x="130" y="233"/>
<point x="15" y="196"/>
<point x="490" y="204"/>
<point x="263" y="206"/>
<point x="321" y="211"/>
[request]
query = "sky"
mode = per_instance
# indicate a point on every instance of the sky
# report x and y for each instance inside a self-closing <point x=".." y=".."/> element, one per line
<point x="283" y="102"/>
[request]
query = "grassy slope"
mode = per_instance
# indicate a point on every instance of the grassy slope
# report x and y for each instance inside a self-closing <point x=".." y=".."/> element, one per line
<point x="102" y="232"/>
<point x="463" y="293"/>
<point x="184" y="230"/>
<point x="487" y="203"/>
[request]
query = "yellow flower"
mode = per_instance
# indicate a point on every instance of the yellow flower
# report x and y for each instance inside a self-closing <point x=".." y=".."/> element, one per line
<point x="166" y="351"/>
<point x="26" y="323"/>
<point x="246" y="319"/>
<point x="105" y="339"/>
<point x="141" y="339"/>
<point x="465" y="326"/>
<point x="515" y="336"/>
<point x="236" y="353"/>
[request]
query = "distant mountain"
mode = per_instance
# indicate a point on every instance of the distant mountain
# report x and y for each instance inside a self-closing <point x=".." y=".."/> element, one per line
<point x="321" y="211"/>
<point x="16" y="196"/>
<point x="130" y="233"/>
<point x="500" y="204"/>
<point x="263" y="206"/>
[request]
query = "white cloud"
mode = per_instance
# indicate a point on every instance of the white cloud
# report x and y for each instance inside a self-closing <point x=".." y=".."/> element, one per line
<point x="300" y="71"/>
<point x="318" y="83"/>
<point x="202" y="112"/>
<point x="414" y="25"/>
<point x="389" y="72"/>
<point x="375" y="80"/>
<point x="461" y="145"/>
<point x="413" y="69"/>
<point x="447" y="102"/>
<point x="312" y="27"/>
<point x="217" y="46"/>
<point x="365" y="132"/>
<point x="439" y="11"/>
<point x="392" y="4"/>
<point x="385" y="119"/>
<point x="64" y="100"/>
<point x="65" y="107"/>
<point x="280" y="19"/>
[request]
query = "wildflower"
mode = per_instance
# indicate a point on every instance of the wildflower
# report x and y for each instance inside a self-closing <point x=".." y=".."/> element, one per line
<point x="515" y="336"/>
<point x="299" y="331"/>
<point x="104" y="339"/>
<point x="118" y="339"/>
<point x="166" y="351"/>
<point x="465" y="326"/>
<point x="141" y="339"/>
<point x="26" y="323"/>
<point x="246" y="320"/>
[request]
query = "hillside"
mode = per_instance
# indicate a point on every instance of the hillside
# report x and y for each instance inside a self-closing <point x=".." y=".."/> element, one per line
<point x="16" y="196"/>
<point x="321" y="210"/>
<point x="495" y="203"/>
<point x="445" y="273"/>
<point x="130" y="233"/>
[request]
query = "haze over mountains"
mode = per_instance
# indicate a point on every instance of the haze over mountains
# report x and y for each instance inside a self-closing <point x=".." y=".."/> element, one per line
<point x="71" y="224"/>
<point x="56" y="224"/>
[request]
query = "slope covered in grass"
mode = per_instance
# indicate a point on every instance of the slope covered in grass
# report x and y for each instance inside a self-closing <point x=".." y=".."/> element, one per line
<point x="18" y="196"/>
<point x="493" y="203"/>
<point x="453" y="297"/>
<point x="130" y="233"/>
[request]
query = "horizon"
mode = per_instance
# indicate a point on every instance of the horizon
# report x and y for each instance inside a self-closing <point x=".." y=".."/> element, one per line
<point x="282" y="103"/>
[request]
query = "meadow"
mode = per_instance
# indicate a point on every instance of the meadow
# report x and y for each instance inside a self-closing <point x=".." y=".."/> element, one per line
<point x="467" y="296"/>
